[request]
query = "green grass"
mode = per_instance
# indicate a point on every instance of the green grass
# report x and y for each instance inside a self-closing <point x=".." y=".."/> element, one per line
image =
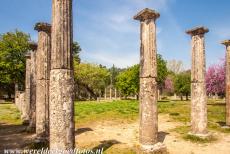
<point x="9" y="114"/>
<point x="127" y="111"/>
<point x="86" y="112"/>
<point x="196" y="139"/>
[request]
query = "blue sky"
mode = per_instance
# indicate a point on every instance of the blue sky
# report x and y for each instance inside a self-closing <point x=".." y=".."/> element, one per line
<point x="108" y="34"/>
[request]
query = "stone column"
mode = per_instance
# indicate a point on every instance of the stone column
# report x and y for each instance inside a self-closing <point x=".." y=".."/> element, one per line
<point x="148" y="130"/>
<point x="26" y="104"/>
<point x="105" y="94"/>
<point x="32" y="125"/>
<point x="115" y="93"/>
<point x="198" y="89"/>
<point x="61" y="77"/>
<point x="42" y="79"/>
<point x="110" y="93"/>
<point x="227" y="80"/>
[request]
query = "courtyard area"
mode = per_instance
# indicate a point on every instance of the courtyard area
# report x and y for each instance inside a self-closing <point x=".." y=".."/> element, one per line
<point x="113" y="126"/>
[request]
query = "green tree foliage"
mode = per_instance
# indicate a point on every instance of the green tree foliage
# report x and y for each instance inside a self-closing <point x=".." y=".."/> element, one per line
<point x="76" y="52"/>
<point x="92" y="77"/>
<point x="182" y="84"/>
<point x="114" y="71"/>
<point x="127" y="81"/>
<point x="13" y="46"/>
<point x="162" y="71"/>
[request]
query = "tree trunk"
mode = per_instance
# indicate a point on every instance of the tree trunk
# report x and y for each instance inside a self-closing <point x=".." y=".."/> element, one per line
<point x="181" y="97"/>
<point x="186" y="97"/>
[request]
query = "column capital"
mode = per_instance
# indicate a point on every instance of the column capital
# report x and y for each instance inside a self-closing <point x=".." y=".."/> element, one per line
<point x="33" y="46"/>
<point x="41" y="26"/>
<point x="226" y="42"/>
<point x="197" y="31"/>
<point x="146" y="14"/>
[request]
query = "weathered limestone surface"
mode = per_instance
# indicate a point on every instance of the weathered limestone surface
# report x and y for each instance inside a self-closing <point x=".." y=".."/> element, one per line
<point x="61" y="109"/>
<point x="227" y="44"/>
<point x="32" y="124"/>
<point x="26" y="104"/>
<point x="61" y="77"/>
<point x="148" y="84"/>
<point x="43" y="56"/>
<point x="21" y="99"/>
<point x="198" y="89"/>
<point x="18" y="99"/>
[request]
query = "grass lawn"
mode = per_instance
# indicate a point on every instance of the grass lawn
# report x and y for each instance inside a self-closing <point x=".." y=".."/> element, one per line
<point x="127" y="111"/>
<point x="9" y="114"/>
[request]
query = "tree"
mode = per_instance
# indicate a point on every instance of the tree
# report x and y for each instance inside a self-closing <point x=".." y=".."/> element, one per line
<point x="182" y="84"/>
<point x="92" y="77"/>
<point x="175" y="66"/>
<point x="76" y="52"/>
<point x="128" y="81"/>
<point x="215" y="79"/>
<point x="114" y="71"/>
<point x="169" y="85"/>
<point x="162" y="71"/>
<point x="13" y="47"/>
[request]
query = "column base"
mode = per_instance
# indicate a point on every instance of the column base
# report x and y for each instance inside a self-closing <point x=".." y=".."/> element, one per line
<point x="158" y="148"/>
<point x="202" y="136"/>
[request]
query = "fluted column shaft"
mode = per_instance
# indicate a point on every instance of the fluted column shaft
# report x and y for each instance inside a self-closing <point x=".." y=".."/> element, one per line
<point x="61" y="77"/>
<point x="227" y="81"/>
<point x="26" y="104"/>
<point x="198" y="88"/>
<point x="32" y="124"/>
<point x="42" y="79"/>
<point x="148" y="130"/>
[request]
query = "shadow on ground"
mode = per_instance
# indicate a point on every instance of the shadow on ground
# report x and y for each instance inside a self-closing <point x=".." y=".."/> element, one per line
<point x="82" y="130"/>
<point x="161" y="136"/>
<point x="13" y="137"/>
<point x="106" y="144"/>
<point x="217" y="104"/>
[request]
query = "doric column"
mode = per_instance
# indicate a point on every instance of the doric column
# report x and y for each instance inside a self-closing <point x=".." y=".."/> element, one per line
<point x="61" y="77"/>
<point x="26" y="104"/>
<point x="105" y="97"/>
<point x="110" y="92"/>
<point x="148" y="85"/>
<point x="32" y="125"/>
<point x="227" y="81"/>
<point x="198" y="88"/>
<point x="115" y="93"/>
<point x="42" y="79"/>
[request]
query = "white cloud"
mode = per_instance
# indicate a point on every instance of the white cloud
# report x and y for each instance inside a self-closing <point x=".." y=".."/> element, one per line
<point x="109" y="59"/>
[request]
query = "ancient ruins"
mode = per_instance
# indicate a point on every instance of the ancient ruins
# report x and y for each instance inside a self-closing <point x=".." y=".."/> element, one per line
<point x="42" y="79"/>
<point x="47" y="104"/>
<point x="32" y="124"/>
<point x="227" y="81"/>
<point x="198" y="89"/>
<point x="61" y="107"/>
<point x="148" y="82"/>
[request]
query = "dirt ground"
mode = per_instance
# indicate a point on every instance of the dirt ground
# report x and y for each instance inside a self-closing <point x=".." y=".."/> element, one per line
<point x="110" y="134"/>
<point x="126" y="135"/>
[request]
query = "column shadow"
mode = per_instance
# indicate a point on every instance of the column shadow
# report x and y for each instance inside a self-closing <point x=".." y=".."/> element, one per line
<point x="161" y="136"/>
<point x="82" y="130"/>
<point x="106" y="144"/>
